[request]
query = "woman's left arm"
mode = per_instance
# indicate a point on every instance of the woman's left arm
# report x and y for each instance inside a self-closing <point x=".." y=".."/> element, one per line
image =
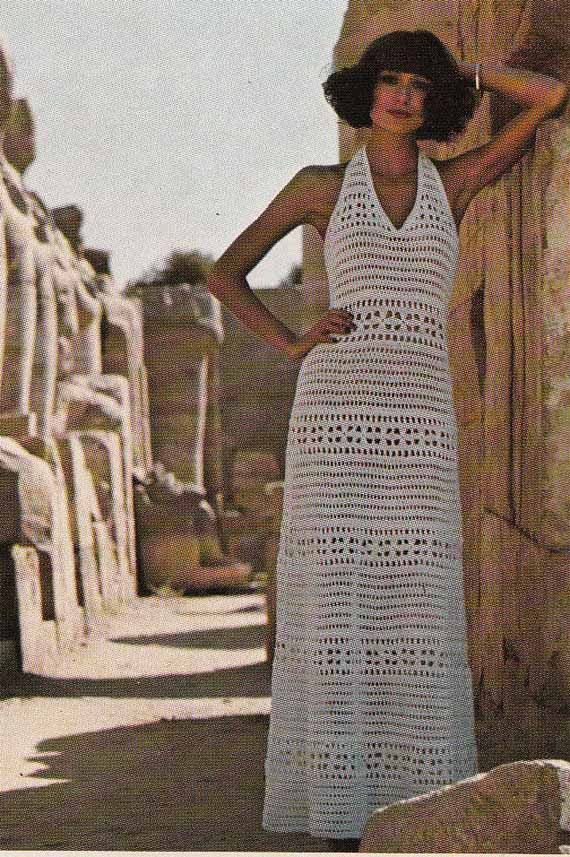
<point x="542" y="96"/>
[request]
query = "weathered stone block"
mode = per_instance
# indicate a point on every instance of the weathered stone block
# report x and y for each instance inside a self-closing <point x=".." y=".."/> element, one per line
<point x="521" y="807"/>
<point x="172" y="554"/>
<point x="38" y="636"/>
<point x="16" y="425"/>
<point x="185" y="323"/>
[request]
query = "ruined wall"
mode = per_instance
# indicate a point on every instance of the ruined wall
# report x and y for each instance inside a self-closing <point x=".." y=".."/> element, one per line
<point x="184" y="323"/>
<point x="257" y="384"/>
<point x="509" y="328"/>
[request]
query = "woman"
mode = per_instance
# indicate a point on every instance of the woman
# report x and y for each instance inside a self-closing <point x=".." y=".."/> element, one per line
<point x="371" y="687"/>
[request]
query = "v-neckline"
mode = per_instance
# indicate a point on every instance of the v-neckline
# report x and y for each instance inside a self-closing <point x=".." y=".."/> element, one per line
<point x="416" y="204"/>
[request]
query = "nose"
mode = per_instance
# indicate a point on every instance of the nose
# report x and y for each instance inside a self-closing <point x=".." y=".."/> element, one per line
<point x="404" y="90"/>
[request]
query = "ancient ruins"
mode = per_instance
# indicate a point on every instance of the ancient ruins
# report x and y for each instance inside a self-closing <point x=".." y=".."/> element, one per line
<point x="117" y="474"/>
<point x="105" y="497"/>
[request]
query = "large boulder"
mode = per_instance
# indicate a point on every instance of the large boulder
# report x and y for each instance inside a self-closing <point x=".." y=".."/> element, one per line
<point x="520" y="807"/>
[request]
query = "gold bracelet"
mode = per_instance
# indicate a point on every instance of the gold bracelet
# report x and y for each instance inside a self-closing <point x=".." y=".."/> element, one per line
<point x="477" y="76"/>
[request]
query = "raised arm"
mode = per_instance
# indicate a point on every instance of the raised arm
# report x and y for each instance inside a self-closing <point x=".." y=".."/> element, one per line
<point x="542" y="96"/>
<point x="293" y="206"/>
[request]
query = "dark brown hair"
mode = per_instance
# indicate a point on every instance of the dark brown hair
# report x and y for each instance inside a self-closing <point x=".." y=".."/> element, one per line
<point x="449" y="104"/>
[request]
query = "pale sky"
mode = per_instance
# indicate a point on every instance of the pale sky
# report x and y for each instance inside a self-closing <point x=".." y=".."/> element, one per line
<point x="172" y="123"/>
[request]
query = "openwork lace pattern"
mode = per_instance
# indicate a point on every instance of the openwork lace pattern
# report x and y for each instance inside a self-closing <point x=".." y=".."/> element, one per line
<point x="371" y="687"/>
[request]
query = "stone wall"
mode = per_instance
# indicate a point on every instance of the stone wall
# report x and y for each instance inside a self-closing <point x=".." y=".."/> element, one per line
<point x="258" y="384"/>
<point x="107" y="491"/>
<point x="509" y="332"/>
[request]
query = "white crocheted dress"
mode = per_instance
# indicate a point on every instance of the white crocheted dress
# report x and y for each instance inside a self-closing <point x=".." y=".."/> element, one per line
<point x="371" y="687"/>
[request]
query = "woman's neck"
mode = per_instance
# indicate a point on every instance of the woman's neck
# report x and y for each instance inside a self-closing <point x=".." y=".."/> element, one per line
<point x="392" y="154"/>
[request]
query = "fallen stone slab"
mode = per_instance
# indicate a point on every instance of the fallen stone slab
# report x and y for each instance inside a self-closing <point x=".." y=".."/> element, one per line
<point x="519" y="807"/>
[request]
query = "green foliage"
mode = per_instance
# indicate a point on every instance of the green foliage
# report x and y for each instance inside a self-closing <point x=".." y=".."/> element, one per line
<point x="182" y="266"/>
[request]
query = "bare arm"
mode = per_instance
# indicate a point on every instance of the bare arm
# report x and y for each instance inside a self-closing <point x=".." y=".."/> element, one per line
<point x="292" y="207"/>
<point x="541" y="95"/>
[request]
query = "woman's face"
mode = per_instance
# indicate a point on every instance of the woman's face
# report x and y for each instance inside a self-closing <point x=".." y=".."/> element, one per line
<point x="399" y="100"/>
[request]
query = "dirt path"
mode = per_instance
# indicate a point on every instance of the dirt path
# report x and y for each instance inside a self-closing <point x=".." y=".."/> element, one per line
<point x="152" y="737"/>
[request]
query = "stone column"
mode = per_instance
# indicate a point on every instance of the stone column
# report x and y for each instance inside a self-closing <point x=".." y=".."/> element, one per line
<point x="44" y="375"/>
<point x="123" y="354"/>
<point x="184" y="324"/>
<point x="509" y="328"/>
<point x="32" y="486"/>
<point x="21" y="304"/>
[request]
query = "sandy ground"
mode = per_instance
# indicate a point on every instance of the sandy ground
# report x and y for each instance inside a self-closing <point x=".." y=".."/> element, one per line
<point x="151" y="737"/>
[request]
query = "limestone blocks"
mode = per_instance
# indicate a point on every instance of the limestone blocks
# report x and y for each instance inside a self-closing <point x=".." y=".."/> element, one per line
<point x="37" y="523"/>
<point x="83" y="423"/>
<point x="509" y="328"/>
<point x="21" y="303"/>
<point x="184" y="415"/>
<point x="75" y="426"/>
<point x="32" y="485"/>
<point x="185" y="323"/>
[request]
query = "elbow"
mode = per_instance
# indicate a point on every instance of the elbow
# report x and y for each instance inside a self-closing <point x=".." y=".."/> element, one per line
<point x="223" y="277"/>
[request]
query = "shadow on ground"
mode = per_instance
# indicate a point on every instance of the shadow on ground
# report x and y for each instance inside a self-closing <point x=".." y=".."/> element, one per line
<point x="217" y="684"/>
<point x="215" y="638"/>
<point x="251" y="681"/>
<point x="167" y="785"/>
<point x="175" y="786"/>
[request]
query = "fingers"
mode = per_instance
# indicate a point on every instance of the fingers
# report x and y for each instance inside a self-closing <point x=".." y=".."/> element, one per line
<point x="336" y="326"/>
<point x="336" y="321"/>
<point x="339" y="320"/>
<point x="325" y="333"/>
<point x="329" y="327"/>
<point x="340" y="314"/>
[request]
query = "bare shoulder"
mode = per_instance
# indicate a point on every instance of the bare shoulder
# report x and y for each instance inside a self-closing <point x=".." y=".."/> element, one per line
<point x="307" y="198"/>
<point x="321" y="183"/>
<point x="321" y="178"/>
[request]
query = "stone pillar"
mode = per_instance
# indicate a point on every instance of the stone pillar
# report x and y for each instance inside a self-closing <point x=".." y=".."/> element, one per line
<point x="32" y="486"/>
<point x="123" y="354"/>
<point x="32" y="491"/>
<point x="509" y="328"/>
<point x="44" y="374"/>
<point x="185" y="324"/>
<point x="21" y="304"/>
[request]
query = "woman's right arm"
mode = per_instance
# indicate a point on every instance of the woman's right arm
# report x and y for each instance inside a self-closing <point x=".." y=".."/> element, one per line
<point x="292" y="207"/>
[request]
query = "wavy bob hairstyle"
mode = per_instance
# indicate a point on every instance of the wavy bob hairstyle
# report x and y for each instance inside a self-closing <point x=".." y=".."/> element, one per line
<point x="449" y="103"/>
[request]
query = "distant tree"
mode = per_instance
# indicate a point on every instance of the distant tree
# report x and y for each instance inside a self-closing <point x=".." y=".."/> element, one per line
<point x="182" y="266"/>
<point x="293" y="278"/>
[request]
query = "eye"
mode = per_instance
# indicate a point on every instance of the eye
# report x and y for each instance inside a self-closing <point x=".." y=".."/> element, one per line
<point x="392" y="79"/>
